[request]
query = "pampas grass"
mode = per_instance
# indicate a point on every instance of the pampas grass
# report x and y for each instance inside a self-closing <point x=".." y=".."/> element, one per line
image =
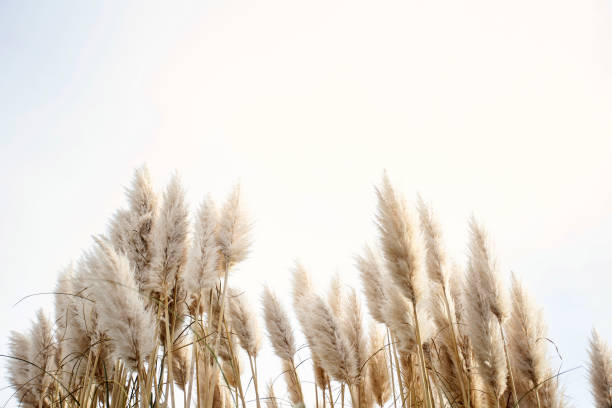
<point x="148" y="317"/>
<point x="600" y="371"/>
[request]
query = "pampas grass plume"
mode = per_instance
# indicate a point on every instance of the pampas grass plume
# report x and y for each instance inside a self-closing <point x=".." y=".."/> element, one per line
<point x="600" y="371"/>
<point x="400" y="242"/>
<point x="202" y="272"/>
<point x="234" y="238"/>
<point x="171" y="235"/>
<point x="244" y="322"/>
<point x="121" y="309"/>
<point x="278" y="325"/>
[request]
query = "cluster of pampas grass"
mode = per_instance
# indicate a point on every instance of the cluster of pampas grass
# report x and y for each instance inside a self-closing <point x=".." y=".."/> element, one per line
<point x="147" y="318"/>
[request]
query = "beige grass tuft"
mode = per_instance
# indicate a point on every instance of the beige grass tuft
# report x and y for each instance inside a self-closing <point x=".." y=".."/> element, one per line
<point x="121" y="308"/>
<point x="600" y="371"/>
<point x="278" y="325"/>
<point x="234" y="230"/>
<point x="400" y="242"/>
<point x="372" y="278"/>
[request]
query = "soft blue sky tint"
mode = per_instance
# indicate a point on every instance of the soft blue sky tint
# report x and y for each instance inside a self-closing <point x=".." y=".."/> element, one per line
<point x="500" y="108"/>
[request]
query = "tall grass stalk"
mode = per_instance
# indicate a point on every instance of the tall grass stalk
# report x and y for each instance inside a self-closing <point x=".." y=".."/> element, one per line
<point x="151" y="311"/>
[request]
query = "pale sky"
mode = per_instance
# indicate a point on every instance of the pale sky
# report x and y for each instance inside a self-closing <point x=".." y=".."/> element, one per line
<point x="503" y="109"/>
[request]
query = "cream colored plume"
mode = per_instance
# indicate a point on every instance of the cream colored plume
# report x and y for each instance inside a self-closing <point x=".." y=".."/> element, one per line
<point x="436" y="259"/>
<point x="329" y="343"/>
<point x="202" y="272"/>
<point x="372" y="278"/>
<point x="19" y="368"/>
<point x="278" y="325"/>
<point x="301" y="284"/>
<point x="483" y="328"/>
<point x="41" y="355"/>
<point x="181" y="360"/>
<point x="378" y="367"/>
<point x="119" y="229"/>
<point x="482" y="262"/>
<point x="121" y="309"/>
<point x="352" y="326"/>
<point x="600" y="371"/>
<point x="336" y="296"/>
<point x="234" y="230"/>
<point x="63" y="294"/>
<point x="143" y="206"/>
<point x="171" y="234"/>
<point x="131" y="231"/>
<point x="526" y="339"/>
<point x="302" y="291"/>
<point x="400" y="242"/>
<point x="244" y="322"/>
<point x="398" y="313"/>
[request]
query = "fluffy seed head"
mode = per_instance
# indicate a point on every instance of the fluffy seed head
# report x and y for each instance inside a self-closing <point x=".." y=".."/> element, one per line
<point x="436" y="261"/>
<point x="483" y="327"/>
<point x="526" y="337"/>
<point x="352" y="326"/>
<point x="244" y="323"/>
<point x="171" y="235"/>
<point x="482" y="262"/>
<point x="234" y="230"/>
<point x="121" y="309"/>
<point x="600" y="371"/>
<point x="278" y="325"/>
<point x="19" y="368"/>
<point x="328" y="342"/>
<point x="372" y="282"/>
<point x="378" y="367"/>
<point x="202" y="269"/>
<point x="400" y="242"/>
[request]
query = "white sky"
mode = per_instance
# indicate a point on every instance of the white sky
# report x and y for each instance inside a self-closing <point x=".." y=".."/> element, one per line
<point x="503" y="109"/>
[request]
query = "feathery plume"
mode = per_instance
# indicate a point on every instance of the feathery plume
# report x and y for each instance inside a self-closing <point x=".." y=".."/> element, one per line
<point x="352" y="326"/>
<point x="278" y="326"/>
<point x="526" y="339"/>
<point x="400" y="242"/>
<point x="143" y="213"/>
<point x="181" y="360"/>
<point x="234" y="231"/>
<point x="201" y="273"/>
<point x="600" y="371"/>
<point x="244" y="322"/>
<point x="436" y="260"/>
<point x="63" y="293"/>
<point x="378" y="367"/>
<point x="335" y="296"/>
<point x="485" y="335"/>
<point x="171" y="232"/>
<point x="121" y="309"/>
<point x="372" y="282"/>
<point x="19" y="368"/>
<point x="41" y="355"/>
<point x="119" y="230"/>
<point x="397" y="310"/>
<point x="483" y="263"/>
<point x="301" y="283"/>
<point x="302" y="292"/>
<point x="328" y="342"/>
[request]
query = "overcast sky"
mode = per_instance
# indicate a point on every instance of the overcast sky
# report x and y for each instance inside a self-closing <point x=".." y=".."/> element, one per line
<point x="501" y="109"/>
